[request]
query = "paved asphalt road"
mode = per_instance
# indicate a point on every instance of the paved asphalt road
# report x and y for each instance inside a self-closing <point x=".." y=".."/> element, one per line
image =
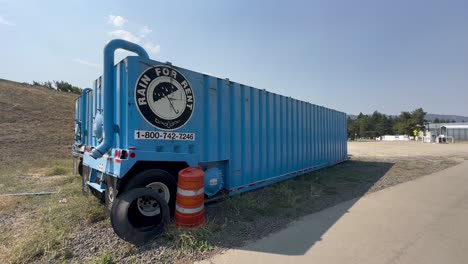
<point x="421" y="221"/>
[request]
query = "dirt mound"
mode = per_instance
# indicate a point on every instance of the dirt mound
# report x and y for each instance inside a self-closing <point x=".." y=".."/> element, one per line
<point x="36" y="122"/>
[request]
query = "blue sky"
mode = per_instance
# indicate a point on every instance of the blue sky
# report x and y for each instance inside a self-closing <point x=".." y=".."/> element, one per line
<point x="353" y="56"/>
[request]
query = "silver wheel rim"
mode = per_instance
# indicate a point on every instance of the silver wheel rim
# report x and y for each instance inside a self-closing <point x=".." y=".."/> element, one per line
<point x="110" y="195"/>
<point x="150" y="207"/>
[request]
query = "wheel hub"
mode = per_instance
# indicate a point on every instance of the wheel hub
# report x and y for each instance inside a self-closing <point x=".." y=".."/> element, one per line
<point x="150" y="207"/>
<point x="110" y="195"/>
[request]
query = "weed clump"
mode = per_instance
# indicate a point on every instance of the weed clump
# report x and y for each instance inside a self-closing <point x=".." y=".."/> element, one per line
<point x="104" y="258"/>
<point x="194" y="240"/>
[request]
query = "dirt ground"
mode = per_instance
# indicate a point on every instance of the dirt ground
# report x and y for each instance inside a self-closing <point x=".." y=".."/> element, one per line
<point x="411" y="149"/>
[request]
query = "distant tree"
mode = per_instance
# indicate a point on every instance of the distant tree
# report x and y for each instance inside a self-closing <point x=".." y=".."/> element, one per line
<point x="352" y="131"/>
<point x="418" y="117"/>
<point x="66" y="87"/>
<point x="379" y="124"/>
<point x="403" y="123"/>
<point x="384" y="126"/>
<point x="399" y="128"/>
<point x="417" y="120"/>
<point x="61" y="86"/>
<point x="48" y="84"/>
<point x="363" y="126"/>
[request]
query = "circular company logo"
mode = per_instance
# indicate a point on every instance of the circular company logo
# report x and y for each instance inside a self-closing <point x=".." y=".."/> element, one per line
<point x="164" y="97"/>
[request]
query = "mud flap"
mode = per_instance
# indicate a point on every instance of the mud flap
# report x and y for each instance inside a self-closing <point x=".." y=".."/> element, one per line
<point x="84" y="180"/>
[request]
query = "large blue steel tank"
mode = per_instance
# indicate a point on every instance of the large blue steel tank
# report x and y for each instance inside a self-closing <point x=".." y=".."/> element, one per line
<point x="243" y="137"/>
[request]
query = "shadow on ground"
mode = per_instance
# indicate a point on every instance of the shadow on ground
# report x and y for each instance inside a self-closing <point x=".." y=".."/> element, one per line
<point x="251" y="216"/>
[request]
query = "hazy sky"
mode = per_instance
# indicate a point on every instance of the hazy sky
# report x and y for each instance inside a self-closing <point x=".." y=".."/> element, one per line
<point x="353" y="56"/>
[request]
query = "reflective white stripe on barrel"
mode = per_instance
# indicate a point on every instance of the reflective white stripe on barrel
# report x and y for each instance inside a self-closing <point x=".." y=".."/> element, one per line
<point x="189" y="210"/>
<point x="190" y="192"/>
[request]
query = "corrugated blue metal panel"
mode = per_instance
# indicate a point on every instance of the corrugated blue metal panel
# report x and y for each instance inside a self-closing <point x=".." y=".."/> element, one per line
<point x="89" y="117"/>
<point x="78" y="120"/>
<point x="83" y="106"/>
<point x="263" y="135"/>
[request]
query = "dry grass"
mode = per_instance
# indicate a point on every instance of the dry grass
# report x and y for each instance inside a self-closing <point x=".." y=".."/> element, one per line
<point x="36" y="123"/>
<point x="59" y="168"/>
<point x="9" y="204"/>
<point x="36" y="131"/>
<point x="51" y="219"/>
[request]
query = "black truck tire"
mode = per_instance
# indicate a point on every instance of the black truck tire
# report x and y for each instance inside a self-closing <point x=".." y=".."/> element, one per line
<point x="130" y="225"/>
<point x="161" y="178"/>
<point x="80" y="167"/>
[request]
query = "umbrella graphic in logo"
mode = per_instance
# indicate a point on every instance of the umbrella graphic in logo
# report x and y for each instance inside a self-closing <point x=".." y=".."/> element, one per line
<point x="163" y="90"/>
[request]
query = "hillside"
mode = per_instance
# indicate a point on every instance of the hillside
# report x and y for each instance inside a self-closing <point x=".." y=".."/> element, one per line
<point x="457" y="118"/>
<point x="35" y="122"/>
<point x="431" y="117"/>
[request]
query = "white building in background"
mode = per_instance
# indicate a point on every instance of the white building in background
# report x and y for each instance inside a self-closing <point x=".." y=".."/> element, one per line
<point x="457" y="132"/>
<point x="394" y="138"/>
<point x="445" y="132"/>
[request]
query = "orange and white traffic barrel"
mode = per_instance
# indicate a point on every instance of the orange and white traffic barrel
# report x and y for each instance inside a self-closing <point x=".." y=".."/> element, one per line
<point x="190" y="199"/>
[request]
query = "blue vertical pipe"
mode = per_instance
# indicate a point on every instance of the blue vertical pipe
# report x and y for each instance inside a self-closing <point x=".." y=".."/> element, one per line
<point x="108" y="73"/>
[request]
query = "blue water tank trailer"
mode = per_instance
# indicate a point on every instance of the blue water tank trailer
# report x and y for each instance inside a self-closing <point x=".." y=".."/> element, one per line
<point x="152" y="119"/>
<point x="82" y="134"/>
